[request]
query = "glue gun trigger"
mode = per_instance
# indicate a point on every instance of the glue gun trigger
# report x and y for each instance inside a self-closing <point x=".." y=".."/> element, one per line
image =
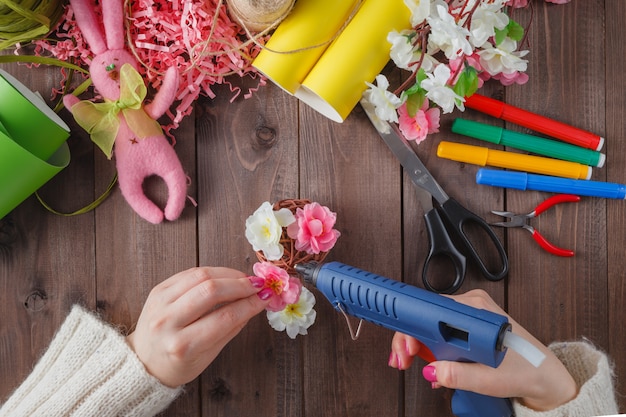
<point x="426" y="354"/>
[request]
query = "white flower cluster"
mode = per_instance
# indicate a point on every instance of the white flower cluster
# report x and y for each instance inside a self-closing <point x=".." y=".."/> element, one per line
<point x="454" y="46"/>
<point x="265" y="227"/>
<point x="296" y="318"/>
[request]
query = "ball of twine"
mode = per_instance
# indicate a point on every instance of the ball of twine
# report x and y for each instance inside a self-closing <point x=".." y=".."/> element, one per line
<point x="26" y="20"/>
<point x="259" y="15"/>
<point x="291" y="256"/>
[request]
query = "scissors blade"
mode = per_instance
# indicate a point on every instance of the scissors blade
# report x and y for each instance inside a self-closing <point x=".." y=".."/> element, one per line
<point x="427" y="187"/>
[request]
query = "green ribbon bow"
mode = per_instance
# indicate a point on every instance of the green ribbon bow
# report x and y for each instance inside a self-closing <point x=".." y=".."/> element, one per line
<point x="101" y="120"/>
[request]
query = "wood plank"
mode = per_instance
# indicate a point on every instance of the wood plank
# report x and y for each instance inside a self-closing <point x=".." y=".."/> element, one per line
<point x="458" y="180"/>
<point x="133" y="255"/>
<point x="42" y="271"/>
<point x="348" y="168"/>
<point x="271" y="147"/>
<point x="247" y="154"/>
<point x="563" y="298"/>
<point x="616" y="160"/>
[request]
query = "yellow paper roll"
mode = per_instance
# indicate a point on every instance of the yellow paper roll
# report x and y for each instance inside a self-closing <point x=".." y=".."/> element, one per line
<point x="311" y="22"/>
<point x="336" y="83"/>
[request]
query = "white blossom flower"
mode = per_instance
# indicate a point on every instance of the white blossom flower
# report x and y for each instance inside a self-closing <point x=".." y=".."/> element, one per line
<point x="264" y="228"/>
<point x="380" y="125"/>
<point x="503" y="59"/>
<point x="295" y="318"/>
<point x="404" y="53"/>
<point x="485" y="20"/>
<point x="384" y="101"/>
<point x="420" y="9"/>
<point x="402" y="50"/>
<point x="446" y="35"/>
<point x="438" y="91"/>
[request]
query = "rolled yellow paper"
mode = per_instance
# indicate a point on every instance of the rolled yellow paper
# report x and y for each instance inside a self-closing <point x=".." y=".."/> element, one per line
<point x="336" y="83"/>
<point x="310" y="23"/>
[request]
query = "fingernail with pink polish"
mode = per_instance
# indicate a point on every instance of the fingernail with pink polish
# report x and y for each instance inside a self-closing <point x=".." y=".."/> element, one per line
<point x="400" y="364"/>
<point x="430" y="373"/>
<point x="257" y="282"/>
<point x="391" y="359"/>
<point x="265" y="293"/>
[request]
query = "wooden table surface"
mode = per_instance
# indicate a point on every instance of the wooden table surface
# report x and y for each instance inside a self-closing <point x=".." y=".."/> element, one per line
<point x="271" y="147"/>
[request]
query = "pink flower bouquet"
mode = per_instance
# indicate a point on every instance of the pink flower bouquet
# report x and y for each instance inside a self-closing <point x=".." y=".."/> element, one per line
<point x="452" y="49"/>
<point x="291" y="232"/>
<point x="285" y="234"/>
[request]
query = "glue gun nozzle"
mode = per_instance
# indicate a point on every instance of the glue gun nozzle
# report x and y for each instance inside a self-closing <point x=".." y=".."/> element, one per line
<point x="307" y="271"/>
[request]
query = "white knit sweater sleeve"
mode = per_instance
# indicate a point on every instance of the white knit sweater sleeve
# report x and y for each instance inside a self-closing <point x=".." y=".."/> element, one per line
<point x="591" y="370"/>
<point x="89" y="370"/>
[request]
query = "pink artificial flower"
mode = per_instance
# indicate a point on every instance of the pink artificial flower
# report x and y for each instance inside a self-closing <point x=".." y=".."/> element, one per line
<point x="516" y="4"/>
<point x="513" y="78"/>
<point x="313" y="229"/>
<point x="419" y="126"/>
<point x="281" y="288"/>
<point x="472" y="60"/>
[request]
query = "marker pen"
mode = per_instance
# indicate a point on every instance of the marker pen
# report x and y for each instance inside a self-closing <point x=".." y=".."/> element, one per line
<point x="482" y="156"/>
<point x="530" y="143"/>
<point x="525" y="181"/>
<point x="535" y="122"/>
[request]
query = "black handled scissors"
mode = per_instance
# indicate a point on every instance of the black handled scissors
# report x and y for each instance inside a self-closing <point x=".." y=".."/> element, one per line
<point x="441" y="234"/>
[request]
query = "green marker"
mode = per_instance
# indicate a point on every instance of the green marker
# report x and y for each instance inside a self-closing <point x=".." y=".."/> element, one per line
<point x="530" y="143"/>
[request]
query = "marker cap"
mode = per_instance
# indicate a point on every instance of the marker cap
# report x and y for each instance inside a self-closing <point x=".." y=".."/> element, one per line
<point x="477" y="130"/>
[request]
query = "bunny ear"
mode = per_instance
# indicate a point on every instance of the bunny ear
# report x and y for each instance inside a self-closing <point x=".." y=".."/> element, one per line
<point x="113" y="16"/>
<point x="88" y="24"/>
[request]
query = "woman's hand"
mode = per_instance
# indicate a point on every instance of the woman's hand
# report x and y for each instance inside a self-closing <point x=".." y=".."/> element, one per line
<point x="543" y="388"/>
<point x="189" y="318"/>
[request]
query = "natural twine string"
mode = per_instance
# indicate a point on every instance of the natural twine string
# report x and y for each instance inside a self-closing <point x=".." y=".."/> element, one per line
<point x="253" y="38"/>
<point x="258" y="15"/>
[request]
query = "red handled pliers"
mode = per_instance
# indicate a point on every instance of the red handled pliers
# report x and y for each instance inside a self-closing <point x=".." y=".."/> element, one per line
<point x="521" y="220"/>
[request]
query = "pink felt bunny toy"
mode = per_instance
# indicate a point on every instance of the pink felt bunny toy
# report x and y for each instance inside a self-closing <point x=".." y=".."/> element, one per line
<point x="141" y="149"/>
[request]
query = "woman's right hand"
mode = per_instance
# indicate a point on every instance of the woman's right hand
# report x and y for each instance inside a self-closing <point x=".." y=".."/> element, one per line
<point x="189" y="318"/>
<point x="541" y="389"/>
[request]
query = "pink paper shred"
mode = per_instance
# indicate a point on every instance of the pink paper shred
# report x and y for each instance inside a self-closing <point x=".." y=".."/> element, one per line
<point x="166" y="33"/>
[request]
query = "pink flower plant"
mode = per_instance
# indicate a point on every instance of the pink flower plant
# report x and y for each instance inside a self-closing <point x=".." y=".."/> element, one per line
<point x="284" y="234"/>
<point x="418" y="126"/>
<point x="313" y="229"/>
<point x="281" y="288"/>
<point x="453" y="47"/>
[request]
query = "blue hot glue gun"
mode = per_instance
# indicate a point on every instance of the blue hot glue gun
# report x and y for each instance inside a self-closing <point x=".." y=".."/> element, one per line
<point x="451" y="330"/>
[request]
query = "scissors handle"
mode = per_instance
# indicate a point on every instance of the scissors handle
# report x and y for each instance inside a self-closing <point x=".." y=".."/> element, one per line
<point x="458" y="217"/>
<point x="441" y="246"/>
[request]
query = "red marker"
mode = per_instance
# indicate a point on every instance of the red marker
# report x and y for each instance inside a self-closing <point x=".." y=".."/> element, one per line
<point x="535" y="122"/>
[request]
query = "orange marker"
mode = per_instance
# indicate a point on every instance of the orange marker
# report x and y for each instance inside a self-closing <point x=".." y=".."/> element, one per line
<point x="482" y="156"/>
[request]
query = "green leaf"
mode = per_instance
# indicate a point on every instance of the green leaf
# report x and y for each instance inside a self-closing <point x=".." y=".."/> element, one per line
<point x="467" y="83"/>
<point x="500" y="35"/>
<point x="414" y="102"/>
<point x="414" y="89"/>
<point x="513" y="30"/>
<point x="33" y="59"/>
<point x="516" y="31"/>
<point x="421" y="75"/>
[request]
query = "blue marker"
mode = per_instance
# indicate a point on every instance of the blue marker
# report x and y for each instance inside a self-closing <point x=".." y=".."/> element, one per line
<point x="525" y="181"/>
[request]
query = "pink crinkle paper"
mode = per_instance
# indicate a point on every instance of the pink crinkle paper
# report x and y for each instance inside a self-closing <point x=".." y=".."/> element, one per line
<point x="196" y="36"/>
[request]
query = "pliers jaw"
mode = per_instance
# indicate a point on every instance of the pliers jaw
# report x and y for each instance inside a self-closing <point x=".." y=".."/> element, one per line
<point x="522" y="220"/>
<point x="515" y="220"/>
